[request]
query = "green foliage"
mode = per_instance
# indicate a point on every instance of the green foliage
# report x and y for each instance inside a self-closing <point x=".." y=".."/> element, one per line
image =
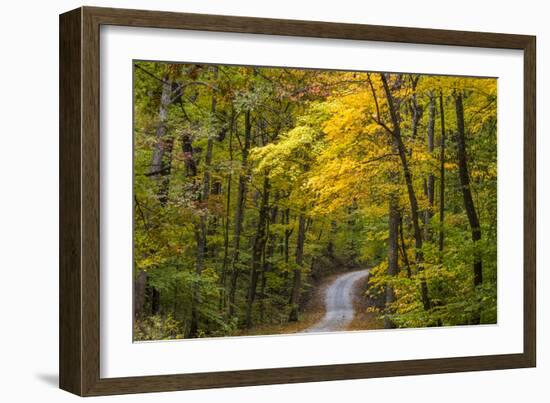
<point x="156" y="327"/>
<point x="318" y="146"/>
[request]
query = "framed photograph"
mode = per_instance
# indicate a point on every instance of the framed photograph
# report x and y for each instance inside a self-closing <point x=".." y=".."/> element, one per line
<point x="249" y="201"/>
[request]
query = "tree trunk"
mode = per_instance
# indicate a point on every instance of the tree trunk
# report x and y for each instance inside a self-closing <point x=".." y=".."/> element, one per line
<point x="225" y="243"/>
<point x="189" y="161"/>
<point x="441" y="176"/>
<point x="297" y="280"/>
<point x="162" y="153"/>
<point x="161" y="165"/>
<point x="140" y="289"/>
<point x="403" y="247"/>
<point x="227" y="225"/>
<point x="466" y="189"/>
<point x="209" y="147"/>
<point x="396" y="122"/>
<point x="431" y="179"/>
<point x="393" y="265"/>
<point x="239" y="213"/>
<point x="199" y="229"/>
<point x="288" y="233"/>
<point x="257" y="251"/>
<point x="416" y="110"/>
<point x="202" y="229"/>
<point x="268" y="253"/>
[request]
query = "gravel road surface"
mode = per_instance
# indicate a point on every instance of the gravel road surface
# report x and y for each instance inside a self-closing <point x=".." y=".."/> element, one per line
<point x="339" y="310"/>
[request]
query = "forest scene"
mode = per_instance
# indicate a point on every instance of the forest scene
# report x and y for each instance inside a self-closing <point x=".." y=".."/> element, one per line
<point x="276" y="200"/>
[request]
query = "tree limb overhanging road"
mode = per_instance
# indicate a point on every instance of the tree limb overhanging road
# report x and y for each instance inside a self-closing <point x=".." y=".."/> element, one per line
<point x="338" y="299"/>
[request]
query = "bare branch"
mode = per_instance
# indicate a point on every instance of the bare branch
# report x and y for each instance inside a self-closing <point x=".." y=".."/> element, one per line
<point x="377" y="118"/>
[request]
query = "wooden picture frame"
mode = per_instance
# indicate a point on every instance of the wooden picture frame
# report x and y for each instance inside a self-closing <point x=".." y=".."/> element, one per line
<point x="79" y="201"/>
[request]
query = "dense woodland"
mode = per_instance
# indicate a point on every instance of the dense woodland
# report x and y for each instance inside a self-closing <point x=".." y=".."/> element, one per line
<point x="253" y="184"/>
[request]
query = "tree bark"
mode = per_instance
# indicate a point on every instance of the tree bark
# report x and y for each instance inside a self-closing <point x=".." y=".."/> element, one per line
<point x="288" y="233"/>
<point x="441" y="176"/>
<point x="140" y="289"/>
<point x="199" y="229"/>
<point x="404" y="247"/>
<point x="297" y="279"/>
<point x="227" y="224"/>
<point x="466" y="188"/>
<point x="257" y="250"/>
<point x="209" y="147"/>
<point x="239" y="213"/>
<point x="189" y="161"/>
<point x="416" y="110"/>
<point x="203" y="224"/>
<point x="268" y="253"/>
<point x="430" y="185"/>
<point x="162" y="153"/>
<point x="161" y="165"/>
<point x="393" y="259"/>
<point x="396" y="133"/>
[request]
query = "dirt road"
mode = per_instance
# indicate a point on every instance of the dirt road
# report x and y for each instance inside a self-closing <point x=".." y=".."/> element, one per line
<point x="338" y="298"/>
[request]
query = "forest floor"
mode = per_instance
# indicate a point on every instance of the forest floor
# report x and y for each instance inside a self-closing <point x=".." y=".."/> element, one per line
<point x="363" y="319"/>
<point x="312" y="313"/>
<point x="347" y="310"/>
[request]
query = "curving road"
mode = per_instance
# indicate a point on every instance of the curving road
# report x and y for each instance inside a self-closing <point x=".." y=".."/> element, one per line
<point x="339" y="310"/>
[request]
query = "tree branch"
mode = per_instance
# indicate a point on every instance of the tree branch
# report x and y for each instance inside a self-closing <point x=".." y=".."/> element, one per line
<point x="377" y="118"/>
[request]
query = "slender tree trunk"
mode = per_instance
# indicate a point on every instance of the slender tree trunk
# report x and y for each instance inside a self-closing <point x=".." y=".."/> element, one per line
<point x="140" y="290"/>
<point x="227" y="224"/>
<point x="160" y="172"/>
<point x="416" y="110"/>
<point x="467" y="192"/>
<point x="297" y="279"/>
<point x="351" y="230"/>
<point x="238" y="222"/>
<point x="430" y="185"/>
<point x="330" y="243"/>
<point x="190" y="163"/>
<point x="257" y="250"/>
<point x="393" y="260"/>
<point x="162" y="153"/>
<point x="268" y="254"/>
<point x="441" y="176"/>
<point x="225" y="261"/>
<point x="404" y="247"/>
<point x="288" y="233"/>
<point x="263" y="279"/>
<point x="239" y="213"/>
<point x="155" y="301"/>
<point x="209" y="147"/>
<point x="191" y="172"/>
<point x="396" y="122"/>
<point x="202" y="242"/>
